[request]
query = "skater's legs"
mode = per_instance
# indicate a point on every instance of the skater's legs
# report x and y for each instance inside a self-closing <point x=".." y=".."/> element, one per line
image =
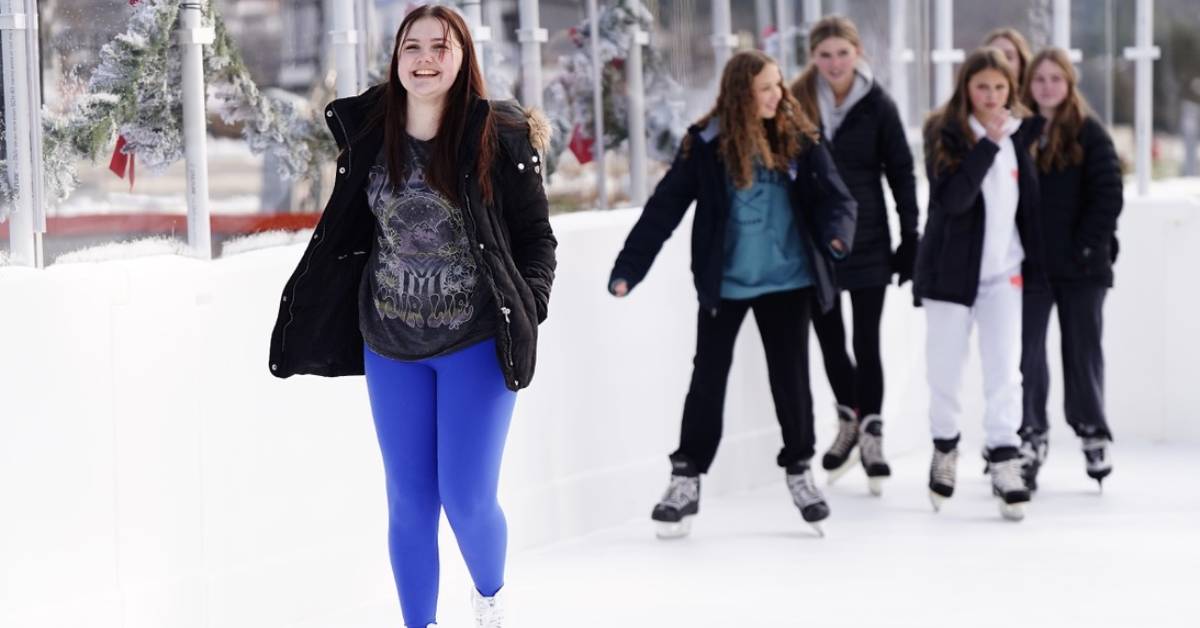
<point x="947" y="333"/>
<point x="831" y="335"/>
<point x="868" y="384"/>
<point x="474" y="409"/>
<point x="998" y="315"/>
<point x="1081" y="320"/>
<point x="782" y="319"/>
<point x="703" y="410"/>
<point x="1035" y="372"/>
<point x="403" y="403"/>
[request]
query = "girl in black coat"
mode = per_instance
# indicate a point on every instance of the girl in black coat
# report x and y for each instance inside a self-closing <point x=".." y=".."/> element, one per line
<point x="1081" y="197"/>
<point x="981" y="245"/>
<point x="862" y="128"/>
<point x="771" y="216"/>
<point x="429" y="270"/>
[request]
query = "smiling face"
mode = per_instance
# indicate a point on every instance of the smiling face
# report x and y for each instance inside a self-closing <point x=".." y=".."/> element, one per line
<point x="1048" y="85"/>
<point x="835" y="59"/>
<point x="429" y="59"/>
<point x="988" y="90"/>
<point x="768" y="91"/>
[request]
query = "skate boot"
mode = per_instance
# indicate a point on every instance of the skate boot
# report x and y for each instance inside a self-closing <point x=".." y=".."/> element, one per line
<point x="987" y="462"/>
<point x="943" y="470"/>
<point x="673" y="515"/>
<point x="1034" y="449"/>
<point x="489" y="611"/>
<point x="806" y="496"/>
<point x="1095" y="451"/>
<point x="1007" y="483"/>
<point x="870" y="445"/>
<point x="840" y="457"/>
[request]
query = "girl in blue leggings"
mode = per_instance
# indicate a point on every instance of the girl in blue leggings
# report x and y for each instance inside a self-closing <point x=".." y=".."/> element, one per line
<point x="429" y="272"/>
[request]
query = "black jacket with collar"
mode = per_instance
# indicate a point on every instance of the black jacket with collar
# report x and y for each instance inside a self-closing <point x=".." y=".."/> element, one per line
<point x="951" y="252"/>
<point x="870" y="142"/>
<point x="819" y="198"/>
<point x="317" y="332"/>
<point x="1080" y="205"/>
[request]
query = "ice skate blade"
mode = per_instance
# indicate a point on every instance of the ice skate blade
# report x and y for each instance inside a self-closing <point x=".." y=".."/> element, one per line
<point x="836" y="474"/>
<point x="1012" y="512"/>
<point x="817" y="528"/>
<point x="875" y="485"/>
<point x="937" y="501"/>
<point x="668" y="530"/>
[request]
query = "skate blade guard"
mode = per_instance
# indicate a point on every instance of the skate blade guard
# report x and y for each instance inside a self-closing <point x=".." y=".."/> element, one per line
<point x="667" y="530"/>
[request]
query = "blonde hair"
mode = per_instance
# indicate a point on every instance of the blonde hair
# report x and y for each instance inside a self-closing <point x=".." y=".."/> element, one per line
<point x="804" y="88"/>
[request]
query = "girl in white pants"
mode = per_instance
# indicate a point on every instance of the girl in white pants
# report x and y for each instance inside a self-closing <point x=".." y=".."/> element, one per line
<point x="981" y="244"/>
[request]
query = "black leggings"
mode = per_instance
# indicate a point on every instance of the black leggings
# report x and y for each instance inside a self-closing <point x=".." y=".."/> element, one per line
<point x="859" y="383"/>
<point x="782" y="319"/>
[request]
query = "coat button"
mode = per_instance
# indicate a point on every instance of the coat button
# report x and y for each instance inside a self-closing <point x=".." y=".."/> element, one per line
<point x="534" y="159"/>
<point x="274" y="367"/>
<point x="329" y="113"/>
<point x="481" y="246"/>
<point x="342" y="170"/>
<point x="285" y="298"/>
<point x="517" y="383"/>
<point x="316" y="236"/>
<point x="537" y="169"/>
<point x="521" y="167"/>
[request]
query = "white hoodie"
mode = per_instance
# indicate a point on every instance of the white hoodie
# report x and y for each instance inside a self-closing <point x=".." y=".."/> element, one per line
<point x="1002" y="250"/>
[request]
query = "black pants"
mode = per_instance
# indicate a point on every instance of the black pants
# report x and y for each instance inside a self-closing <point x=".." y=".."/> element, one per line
<point x="782" y="319"/>
<point x="859" y="383"/>
<point x="1080" y="322"/>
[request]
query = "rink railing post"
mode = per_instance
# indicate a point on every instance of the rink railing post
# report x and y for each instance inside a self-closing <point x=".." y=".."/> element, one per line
<point x="23" y="130"/>
<point x="598" y="152"/>
<point x="1062" y="30"/>
<point x="944" y="55"/>
<point x="1144" y="54"/>
<point x="192" y="39"/>
<point x="900" y="55"/>
<point x="635" y="84"/>
<point x="531" y="35"/>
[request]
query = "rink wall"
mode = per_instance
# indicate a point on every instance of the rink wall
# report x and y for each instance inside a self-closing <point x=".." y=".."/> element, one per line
<point x="153" y="473"/>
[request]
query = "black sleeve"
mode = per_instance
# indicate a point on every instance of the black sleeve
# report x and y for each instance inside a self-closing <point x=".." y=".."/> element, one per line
<point x="527" y="215"/>
<point x="954" y="190"/>
<point x="1103" y="191"/>
<point x="662" y="213"/>
<point x="835" y="208"/>
<point x="898" y="168"/>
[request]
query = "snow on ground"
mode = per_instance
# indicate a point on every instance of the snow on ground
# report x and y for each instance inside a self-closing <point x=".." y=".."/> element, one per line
<point x="133" y="249"/>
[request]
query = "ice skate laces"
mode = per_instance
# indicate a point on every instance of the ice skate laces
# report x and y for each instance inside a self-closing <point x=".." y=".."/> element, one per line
<point x="846" y="438"/>
<point x="943" y="467"/>
<point x="804" y="490"/>
<point x="1007" y="475"/>
<point x="871" y="447"/>
<point x="1094" y="450"/>
<point x="682" y="491"/>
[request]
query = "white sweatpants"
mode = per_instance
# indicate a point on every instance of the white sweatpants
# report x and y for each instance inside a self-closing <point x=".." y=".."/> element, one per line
<point x="997" y="312"/>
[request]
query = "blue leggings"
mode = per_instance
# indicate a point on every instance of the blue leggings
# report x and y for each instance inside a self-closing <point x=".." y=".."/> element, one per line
<point x="441" y="424"/>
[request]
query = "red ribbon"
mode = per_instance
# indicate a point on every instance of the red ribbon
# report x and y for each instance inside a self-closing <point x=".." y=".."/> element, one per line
<point x="122" y="162"/>
<point x="581" y="145"/>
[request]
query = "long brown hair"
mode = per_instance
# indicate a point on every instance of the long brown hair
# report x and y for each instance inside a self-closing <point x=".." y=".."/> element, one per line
<point x="467" y="89"/>
<point x="1018" y="41"/>
<point x="956" y="113"/>
<point x="1061" y="148"/>
<point x="804" y="88"/>
<point x="745" y="136"/>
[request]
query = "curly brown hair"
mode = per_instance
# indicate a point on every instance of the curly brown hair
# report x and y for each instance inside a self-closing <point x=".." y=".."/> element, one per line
<point x="955" y="114"/>
<point x="804" y="88"/>
<point x="1061" y="148"/>
<point x="744" y="136"/>
<point x="1024" y="52"/>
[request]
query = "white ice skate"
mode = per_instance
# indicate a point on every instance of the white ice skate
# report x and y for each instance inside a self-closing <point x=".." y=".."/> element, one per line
<point x="843" y="453"/>
<point x="943" y="470"/>
<point x="489" y="611"/>
<point x="673" y="515"/>
<point x="1008" y="485"/>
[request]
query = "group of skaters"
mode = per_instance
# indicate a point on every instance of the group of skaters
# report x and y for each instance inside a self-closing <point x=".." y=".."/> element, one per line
<point x="431" y="269"/>
<point x="1024" y="193"/>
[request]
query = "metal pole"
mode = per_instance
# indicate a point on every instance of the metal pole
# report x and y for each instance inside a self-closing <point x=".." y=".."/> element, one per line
<point x="344" y="39"/>
<point x="19" y="124"/>
<point x="786" y="32"/>
<point x="1144" y="54"/>
<point x="723" y="39"/>
<point x="1062" y="30"/>
<point x="901" y="55"/>
<point x="812" y="12"/>
<point x="762" y="19"/>
<point x="473" y="12"/>
<point x="532" y="36"/>
<point x="637" y="116"/>
<point x="944" y="55"/>
<point x="597" y="107"/>
<point x="192" y="38"/>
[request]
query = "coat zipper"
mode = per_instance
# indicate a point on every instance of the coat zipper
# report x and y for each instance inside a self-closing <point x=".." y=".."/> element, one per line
<point x="476" y="246"/>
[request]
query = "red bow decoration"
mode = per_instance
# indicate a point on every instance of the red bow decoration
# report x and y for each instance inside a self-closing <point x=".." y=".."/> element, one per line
<point x="122" y="162"/>
<point x="581" y="145"/>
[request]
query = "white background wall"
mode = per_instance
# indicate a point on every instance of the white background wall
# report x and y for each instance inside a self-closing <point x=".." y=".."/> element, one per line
<point x="153" y="473"/>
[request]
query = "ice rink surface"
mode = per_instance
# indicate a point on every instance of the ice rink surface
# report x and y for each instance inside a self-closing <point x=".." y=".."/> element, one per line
<point x="1128" y="557"/>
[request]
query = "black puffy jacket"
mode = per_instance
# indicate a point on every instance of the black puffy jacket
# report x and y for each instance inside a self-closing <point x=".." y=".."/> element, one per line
<point x="1079" y="210"/>
<point x="870" y="143"/>
<point x="951" y="250"/>
<point x="819" y="198"/>
<point x="316" y="331"/>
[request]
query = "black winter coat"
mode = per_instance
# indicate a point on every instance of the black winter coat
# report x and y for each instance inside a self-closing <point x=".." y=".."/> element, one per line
<point x="1079" y="210"/>
<point x="951" y="251"/>
<point x="870" y="143"/>
<point x="819" y="198"/>
<point x="317" y="332"/>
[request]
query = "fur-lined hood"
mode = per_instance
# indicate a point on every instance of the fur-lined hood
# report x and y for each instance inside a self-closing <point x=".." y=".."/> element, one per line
<point x="539" y="128"/>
